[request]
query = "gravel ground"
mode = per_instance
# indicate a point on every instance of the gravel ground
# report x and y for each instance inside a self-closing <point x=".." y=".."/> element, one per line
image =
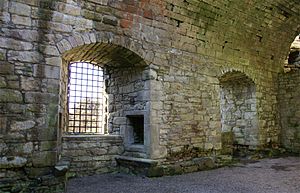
<point x="265" y="176"/>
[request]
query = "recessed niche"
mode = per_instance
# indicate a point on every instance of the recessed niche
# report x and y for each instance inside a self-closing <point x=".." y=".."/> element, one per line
<point x="136" y="128"/>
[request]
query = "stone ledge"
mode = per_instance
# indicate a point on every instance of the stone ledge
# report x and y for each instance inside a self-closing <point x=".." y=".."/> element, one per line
<point x="139" y="166"/>
<point x="138" y="160"/>
<point x="103" y="138"/>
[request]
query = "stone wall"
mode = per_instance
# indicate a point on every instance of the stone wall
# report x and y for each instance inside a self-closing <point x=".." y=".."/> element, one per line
<point x="128" y="92"/>
<point x="288" y="99"/>
<point x="91" y="154"/>
<point x="187" y="45"/>
<point x="290" y="108"/>
<point x="238" y="109"/>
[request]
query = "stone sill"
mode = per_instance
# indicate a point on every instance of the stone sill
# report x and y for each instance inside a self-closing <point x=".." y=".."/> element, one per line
<point x="150" y="162"/>
<point x="135" y="148"/>
<point x="100" y="138"/>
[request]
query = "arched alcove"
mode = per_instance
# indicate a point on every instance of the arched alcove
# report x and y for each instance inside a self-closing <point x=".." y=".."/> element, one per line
<point x="125" y="121"/>
<point x="238" y="112"/>
<point x="288" y="97"/>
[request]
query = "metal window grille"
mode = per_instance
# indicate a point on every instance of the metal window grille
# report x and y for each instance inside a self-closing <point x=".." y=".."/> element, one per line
<point x="86" y="101"/>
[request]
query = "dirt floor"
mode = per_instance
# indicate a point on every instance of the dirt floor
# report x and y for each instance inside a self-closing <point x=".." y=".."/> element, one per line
<point x="281" y="175"/>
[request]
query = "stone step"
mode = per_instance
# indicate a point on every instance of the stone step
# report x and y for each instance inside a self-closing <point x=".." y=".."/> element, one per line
<point x="139" y="166"/>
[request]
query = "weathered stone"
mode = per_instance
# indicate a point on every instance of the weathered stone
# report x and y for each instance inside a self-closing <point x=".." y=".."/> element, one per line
<point x="6" y="68"/>
<point x="116" y="150"/>
<point x="69" y="9"/>
<point x="20" y="20"/>
<point x="120" y="120"/>
<point x="2" y="82"/>
<point x="8" y="95"/>
<point x="23" y="34"/>
<point x="49" y="50"/>
<point x="46" y="71"/>
<point x="110" y="20"/>
<point x="44" y="158"/>
<point x="12" y="162"/>
<point x="20" y="9"/>
<point x="37" y="97"/>
<point x="30" y="84"/>
<point x="62" y="168"/>
<point x="38" y="172"/>
<point x="22" y="125"/>
<point x="24" y="56"/>
<point x="3" y="148"/>
<point x="15" y="44"/>
<point x="53" y="61"/>
<point x="28" y="147"/>
<point x="48" y="145"/>
<point x="164" y="63"/>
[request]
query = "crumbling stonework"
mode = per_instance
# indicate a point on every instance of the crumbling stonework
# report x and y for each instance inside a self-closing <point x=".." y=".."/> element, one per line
<point x="91" y="154"/>
<point x="238" y="109"/>
<point x="163" y="59"/>
<point x="289" y="105"/>
<point x="289" y="99"/>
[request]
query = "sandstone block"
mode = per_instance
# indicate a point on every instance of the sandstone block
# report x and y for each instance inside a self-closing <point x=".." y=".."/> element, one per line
<point x="2" y="82"/>
<point x="3" y="148"/>
<point x="48" y="145"/>
<point x="6" y="68"/>
<point x="119" y="120"/>
<point x="29" y="83"/>
<point x="64" y="45"/>
<point x="44" y="158"/>
<point x="22" y="125"/>
<point x="38" y="97"/>
<point x="24" y="56"/>
<point x="116" y="150"/>
<point x="110" y="20"/>
<point x="46" y="71"/>
<point x="8" y="95"/>
<point x="69" y="9"/>
<point x="20" y="20"/>
<point x="49" y="50"/>
<point x="59" y="27"/>
<point x="53" y="61"/>
<point x="20" y="9"/>
<point x="28" y="147"/>
<point x="12" y="162"/>
<point x="15" y="44"/>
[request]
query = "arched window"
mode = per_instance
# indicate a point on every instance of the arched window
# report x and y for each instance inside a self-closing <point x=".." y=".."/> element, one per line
<point x="293" y="59"/>
<point x="86" y="101"/>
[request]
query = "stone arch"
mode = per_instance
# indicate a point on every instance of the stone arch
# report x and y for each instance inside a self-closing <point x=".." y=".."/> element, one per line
<point x="127" y="80"/>
<point x="293" y="58"/>
<point x="107" y="40"/>
<point x="239" y="118"/>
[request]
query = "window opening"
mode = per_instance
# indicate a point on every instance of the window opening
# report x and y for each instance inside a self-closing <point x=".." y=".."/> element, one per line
<point x="86" y="101"/>
<point x="293" y="60"/>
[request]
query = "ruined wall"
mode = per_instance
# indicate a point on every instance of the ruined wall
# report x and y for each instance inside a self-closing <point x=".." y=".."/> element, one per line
<point x="28" y="101"/>
<point x="187" y="44"/>
<point x="288" y="99"/>
<point x="128" y="91"/>
<point x="91" y="154"/>
<point x="289" y="110"/>
<point x="238" y="110"/>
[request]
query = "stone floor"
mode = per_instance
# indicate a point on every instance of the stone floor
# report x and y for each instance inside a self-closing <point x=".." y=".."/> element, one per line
<point x="265" y="176"/>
